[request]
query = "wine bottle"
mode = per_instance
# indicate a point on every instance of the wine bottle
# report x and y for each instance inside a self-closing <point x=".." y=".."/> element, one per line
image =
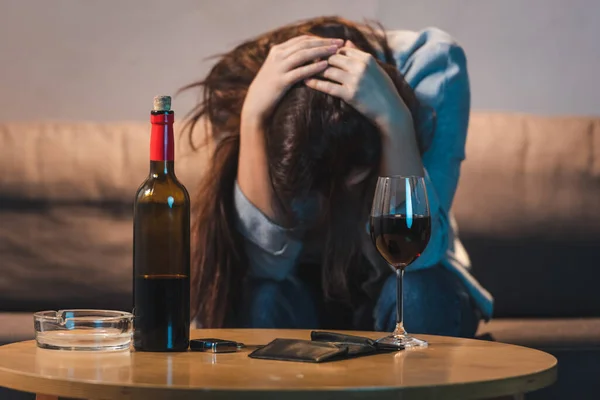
<point x="161" y="245"/>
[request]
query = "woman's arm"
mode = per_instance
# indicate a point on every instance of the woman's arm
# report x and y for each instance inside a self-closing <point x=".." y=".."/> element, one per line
<point x="253" y="167"/>
<point x="435" y="67"/>
<point x="286" y="64"/>
<point x="269" y="247"/>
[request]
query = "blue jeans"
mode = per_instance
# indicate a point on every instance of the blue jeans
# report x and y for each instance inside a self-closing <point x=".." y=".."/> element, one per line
<point x="435" y="302"/>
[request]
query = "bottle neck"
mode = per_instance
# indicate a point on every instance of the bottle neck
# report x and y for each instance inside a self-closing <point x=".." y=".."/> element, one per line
<point x="162" y="169"/>
<point x="162" y="144"/>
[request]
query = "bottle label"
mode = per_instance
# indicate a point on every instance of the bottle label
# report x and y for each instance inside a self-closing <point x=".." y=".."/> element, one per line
<point x="162" y="144"/>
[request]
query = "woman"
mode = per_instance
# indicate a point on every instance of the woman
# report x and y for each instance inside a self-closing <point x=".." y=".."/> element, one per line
<point x="304" y="118"/>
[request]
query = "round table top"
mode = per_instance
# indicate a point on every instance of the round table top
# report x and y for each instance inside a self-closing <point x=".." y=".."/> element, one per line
<point x="449" y="368"/>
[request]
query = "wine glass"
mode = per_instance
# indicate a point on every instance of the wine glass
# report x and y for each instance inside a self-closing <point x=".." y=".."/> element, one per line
<point x="400" y="225"/>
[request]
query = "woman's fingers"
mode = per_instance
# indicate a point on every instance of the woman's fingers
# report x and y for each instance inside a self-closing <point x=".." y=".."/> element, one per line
<point x="327" y="87"/>
<point x="304" y="72"/>
<point x="290" y="42"/>
<point x="353" y="52"/>
<point x="350" y="44"/>
<point x="344" y="62"/>
<point x="337" y="75"/>
<point x="308" y="55"/>
<point x="310" y="42"/>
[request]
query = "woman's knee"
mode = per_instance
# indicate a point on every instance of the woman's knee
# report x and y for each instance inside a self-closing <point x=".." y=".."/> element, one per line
<point x="435" y="302"/>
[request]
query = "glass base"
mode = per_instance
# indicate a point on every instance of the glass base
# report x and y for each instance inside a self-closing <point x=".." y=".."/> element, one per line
<point x="400" y="342"/>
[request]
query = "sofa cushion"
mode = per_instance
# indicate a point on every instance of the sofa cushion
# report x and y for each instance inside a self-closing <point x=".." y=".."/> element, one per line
<point x="66" y="195"/>
<point x="528" y="211"/>
<point x="85" y="162"/>
<point x="65" y="256"/>
<point x="526" y="207"/>
<point x="528" y="175"/>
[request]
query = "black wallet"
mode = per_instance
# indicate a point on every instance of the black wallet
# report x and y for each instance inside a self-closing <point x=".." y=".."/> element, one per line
<point x="299" y="350"/>
<point x="357" y="345"/>
<point x="323" y="346"/>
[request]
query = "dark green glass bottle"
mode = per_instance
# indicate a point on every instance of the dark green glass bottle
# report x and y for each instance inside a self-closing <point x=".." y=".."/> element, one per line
<point x="161" y="243"/>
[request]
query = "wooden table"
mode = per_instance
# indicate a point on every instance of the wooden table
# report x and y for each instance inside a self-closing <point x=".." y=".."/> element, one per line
<point x="449" y="369"/>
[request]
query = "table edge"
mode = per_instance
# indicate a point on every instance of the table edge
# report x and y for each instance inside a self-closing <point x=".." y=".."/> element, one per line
<point x="85" y="389"/>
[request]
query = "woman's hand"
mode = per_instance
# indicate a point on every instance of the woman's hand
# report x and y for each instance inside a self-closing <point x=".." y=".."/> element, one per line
<point x="286" y="64"/>
<point x="356" y="77"/>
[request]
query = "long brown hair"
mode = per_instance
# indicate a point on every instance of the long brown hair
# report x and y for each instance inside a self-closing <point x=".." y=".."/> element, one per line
<point x="312" y="141"/>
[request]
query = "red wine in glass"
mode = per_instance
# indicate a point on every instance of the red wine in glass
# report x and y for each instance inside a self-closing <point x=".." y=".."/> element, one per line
<point x="400" y="240"/>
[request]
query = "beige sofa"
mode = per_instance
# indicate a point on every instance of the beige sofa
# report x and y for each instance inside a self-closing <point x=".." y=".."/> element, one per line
<point x="528" y="208"/>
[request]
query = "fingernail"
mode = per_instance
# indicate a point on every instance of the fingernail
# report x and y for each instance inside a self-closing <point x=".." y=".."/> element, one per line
<point x="332" y="48"/>
<point x="338" y="41"/>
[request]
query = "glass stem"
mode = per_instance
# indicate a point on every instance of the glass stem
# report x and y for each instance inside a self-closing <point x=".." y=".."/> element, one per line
<point x="399" y="331"/>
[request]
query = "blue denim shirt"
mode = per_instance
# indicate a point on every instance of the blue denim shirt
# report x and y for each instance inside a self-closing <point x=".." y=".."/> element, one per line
<point x="434" y="65"/>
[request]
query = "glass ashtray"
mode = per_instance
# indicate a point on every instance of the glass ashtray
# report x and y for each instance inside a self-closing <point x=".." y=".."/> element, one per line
<point x="87" y="330"/>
